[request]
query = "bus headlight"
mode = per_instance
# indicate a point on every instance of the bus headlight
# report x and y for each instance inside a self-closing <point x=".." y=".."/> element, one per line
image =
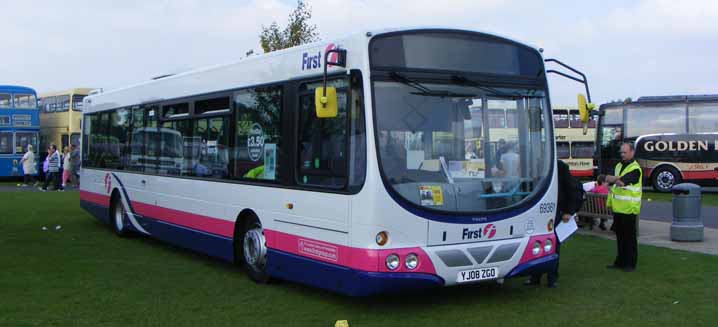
<point x="547" y="246"/>
<point x="392" y="261"/>
<point x="411" y="261"/>
<point x="537" y="248"/>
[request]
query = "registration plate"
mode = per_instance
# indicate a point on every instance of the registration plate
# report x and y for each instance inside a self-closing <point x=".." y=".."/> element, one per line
<point x="477" y="274"/>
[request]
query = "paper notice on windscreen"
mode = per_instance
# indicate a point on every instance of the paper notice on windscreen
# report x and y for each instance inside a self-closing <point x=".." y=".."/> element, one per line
<point x="564" y="230"/>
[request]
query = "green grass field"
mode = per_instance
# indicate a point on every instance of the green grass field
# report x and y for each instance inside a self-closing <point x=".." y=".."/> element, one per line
<point x="707" y="199"/>
<point x="83" y="275"/>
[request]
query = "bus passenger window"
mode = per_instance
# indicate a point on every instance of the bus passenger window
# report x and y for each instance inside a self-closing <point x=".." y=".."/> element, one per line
<point x="560" y="119"/>
<point x="175" y="157"/>
<point x="5" y="143"/>
<point x="5" y="100"/>
<point x="258" y="146"/>
<point x="563" y="150"/>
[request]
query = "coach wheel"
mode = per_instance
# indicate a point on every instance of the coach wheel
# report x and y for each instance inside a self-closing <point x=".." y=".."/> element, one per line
<point x="118" y="217"/>
<point x="664" y="178"/>
<point x="254" y="251"/>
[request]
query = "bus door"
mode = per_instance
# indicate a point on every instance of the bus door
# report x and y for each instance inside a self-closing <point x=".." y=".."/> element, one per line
<point x="611" y="135"/>
<point x="322" y="161"/>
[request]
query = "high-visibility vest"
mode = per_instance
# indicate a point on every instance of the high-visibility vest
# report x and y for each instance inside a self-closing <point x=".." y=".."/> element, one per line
<point x="626" y="199"/>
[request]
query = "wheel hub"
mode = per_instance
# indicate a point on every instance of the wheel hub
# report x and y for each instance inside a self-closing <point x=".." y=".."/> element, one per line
<point x="255" y="248"/>
<point x="665" y="179"/>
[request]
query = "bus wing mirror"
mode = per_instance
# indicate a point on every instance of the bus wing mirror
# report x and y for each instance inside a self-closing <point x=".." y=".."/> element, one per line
<point x="325" y="102"/>
<point x="325" y="97"/>
<point x="584" y="111"/>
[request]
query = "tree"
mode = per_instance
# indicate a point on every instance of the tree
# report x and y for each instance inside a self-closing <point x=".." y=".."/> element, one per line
<point x="298" y="30"/>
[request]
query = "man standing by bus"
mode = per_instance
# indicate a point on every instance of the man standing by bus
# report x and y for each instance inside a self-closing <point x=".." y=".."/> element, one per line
<point x="625" y="200"/>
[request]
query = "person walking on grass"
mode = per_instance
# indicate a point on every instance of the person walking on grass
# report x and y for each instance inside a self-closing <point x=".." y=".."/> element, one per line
<point x="625" y="201"/>
<point x="53" y="169"/>
<point x="66" y="167"/>
<point x="75" y="164"/>
<point x="28" y="167"/>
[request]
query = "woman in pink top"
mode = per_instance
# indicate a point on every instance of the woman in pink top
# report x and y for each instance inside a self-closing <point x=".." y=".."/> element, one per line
<point x="601" y="188"/>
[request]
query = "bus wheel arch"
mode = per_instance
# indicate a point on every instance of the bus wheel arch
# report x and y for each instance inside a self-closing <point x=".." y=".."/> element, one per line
<point x="117" y="214"/>
<point x="250" y="248"/>
<point x="664" y="177"/>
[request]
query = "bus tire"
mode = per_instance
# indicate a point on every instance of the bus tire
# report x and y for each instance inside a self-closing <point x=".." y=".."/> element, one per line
<point x="252" y="248"/>
<point x="118" y="218"/>
<point x="664" y="178"/>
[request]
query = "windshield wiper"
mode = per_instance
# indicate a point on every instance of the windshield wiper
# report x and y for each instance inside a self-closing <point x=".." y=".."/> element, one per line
<point x="425" y="91"/>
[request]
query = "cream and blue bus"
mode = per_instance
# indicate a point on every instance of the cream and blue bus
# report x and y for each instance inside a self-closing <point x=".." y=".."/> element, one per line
<point x="361" y="165"/>
<point x="19" y="126"/>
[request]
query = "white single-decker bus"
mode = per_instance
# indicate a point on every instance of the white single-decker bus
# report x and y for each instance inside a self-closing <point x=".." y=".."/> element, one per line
<point x="363" y="165"/>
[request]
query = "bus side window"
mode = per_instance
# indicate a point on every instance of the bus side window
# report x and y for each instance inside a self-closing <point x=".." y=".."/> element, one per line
<point x="563" y="150"/>
<point x="322" y="144"/>
<point x="258" y="143"/>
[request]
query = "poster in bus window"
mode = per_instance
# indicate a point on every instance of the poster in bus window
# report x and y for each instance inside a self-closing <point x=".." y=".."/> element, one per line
<point x="255" y="142"/>
<point x="431" y="195"/>
<point x="270" y="161"/>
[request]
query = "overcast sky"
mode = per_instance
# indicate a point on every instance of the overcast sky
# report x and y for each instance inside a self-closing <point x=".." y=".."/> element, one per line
<point x="627" y="48"/>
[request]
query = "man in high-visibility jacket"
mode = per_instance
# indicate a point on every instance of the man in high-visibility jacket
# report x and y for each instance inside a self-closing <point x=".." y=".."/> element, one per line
<point x="625" y="201"/>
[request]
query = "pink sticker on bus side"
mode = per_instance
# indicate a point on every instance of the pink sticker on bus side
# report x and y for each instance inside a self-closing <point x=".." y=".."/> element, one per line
<point x="319" y="250"/>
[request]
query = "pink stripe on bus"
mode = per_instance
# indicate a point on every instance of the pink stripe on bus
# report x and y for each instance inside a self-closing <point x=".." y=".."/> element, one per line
<point x="528" y="255"/>
<point x="186" y="219"/>
<point x="96" y="198"/>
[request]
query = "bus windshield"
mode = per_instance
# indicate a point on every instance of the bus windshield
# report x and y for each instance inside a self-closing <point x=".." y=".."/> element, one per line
<point x="451" y="149"/>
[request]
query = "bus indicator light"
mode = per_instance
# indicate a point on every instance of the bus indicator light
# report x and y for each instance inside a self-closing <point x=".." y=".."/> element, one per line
<point x="381" y="238"/>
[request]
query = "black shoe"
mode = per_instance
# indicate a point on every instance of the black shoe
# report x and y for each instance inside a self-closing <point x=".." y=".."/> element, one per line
<point x="629" y="269"/>
<point x="531" y="282"/>
<point x="614" y="266"/>
<point x="602" y="226"/>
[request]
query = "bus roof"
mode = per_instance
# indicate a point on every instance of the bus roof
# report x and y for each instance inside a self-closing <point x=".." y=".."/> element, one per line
<point x="257" y="69"/>
<point x="663" y="99"/>
<point x="77" y="90"/>
<point x="679" y="98"/>
<point x="16" y="89"/>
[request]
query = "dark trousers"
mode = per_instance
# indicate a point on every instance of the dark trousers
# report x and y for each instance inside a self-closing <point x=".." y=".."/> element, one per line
<point x="626" y="240"/>
<point x="53" y="177"/>
<point x="28" y="179"/>
<point x="551" y="276"/>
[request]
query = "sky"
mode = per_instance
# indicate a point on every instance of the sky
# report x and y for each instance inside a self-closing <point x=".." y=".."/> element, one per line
<point x="626" y="48"/>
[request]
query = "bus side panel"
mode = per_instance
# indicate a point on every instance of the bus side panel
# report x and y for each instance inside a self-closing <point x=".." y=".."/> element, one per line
<point x="161" y="223"/>
<point x="196" y="240"/>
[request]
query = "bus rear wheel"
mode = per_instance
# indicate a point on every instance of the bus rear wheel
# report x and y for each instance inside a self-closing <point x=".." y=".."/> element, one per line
<point x="253" y="248"/>
<point x="117" y="219"/>
<point x="664" y="178"/>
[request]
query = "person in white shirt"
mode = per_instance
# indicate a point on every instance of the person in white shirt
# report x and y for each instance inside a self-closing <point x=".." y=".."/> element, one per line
<point x="28" y="166"/>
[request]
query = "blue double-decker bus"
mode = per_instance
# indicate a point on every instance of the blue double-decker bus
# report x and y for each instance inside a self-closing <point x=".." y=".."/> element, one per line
<point x="19" y="126"/>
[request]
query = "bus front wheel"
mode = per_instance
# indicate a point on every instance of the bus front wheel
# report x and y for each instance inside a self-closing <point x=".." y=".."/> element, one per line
<point x="253" y="247"/>
<point x="664" y="178"/>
